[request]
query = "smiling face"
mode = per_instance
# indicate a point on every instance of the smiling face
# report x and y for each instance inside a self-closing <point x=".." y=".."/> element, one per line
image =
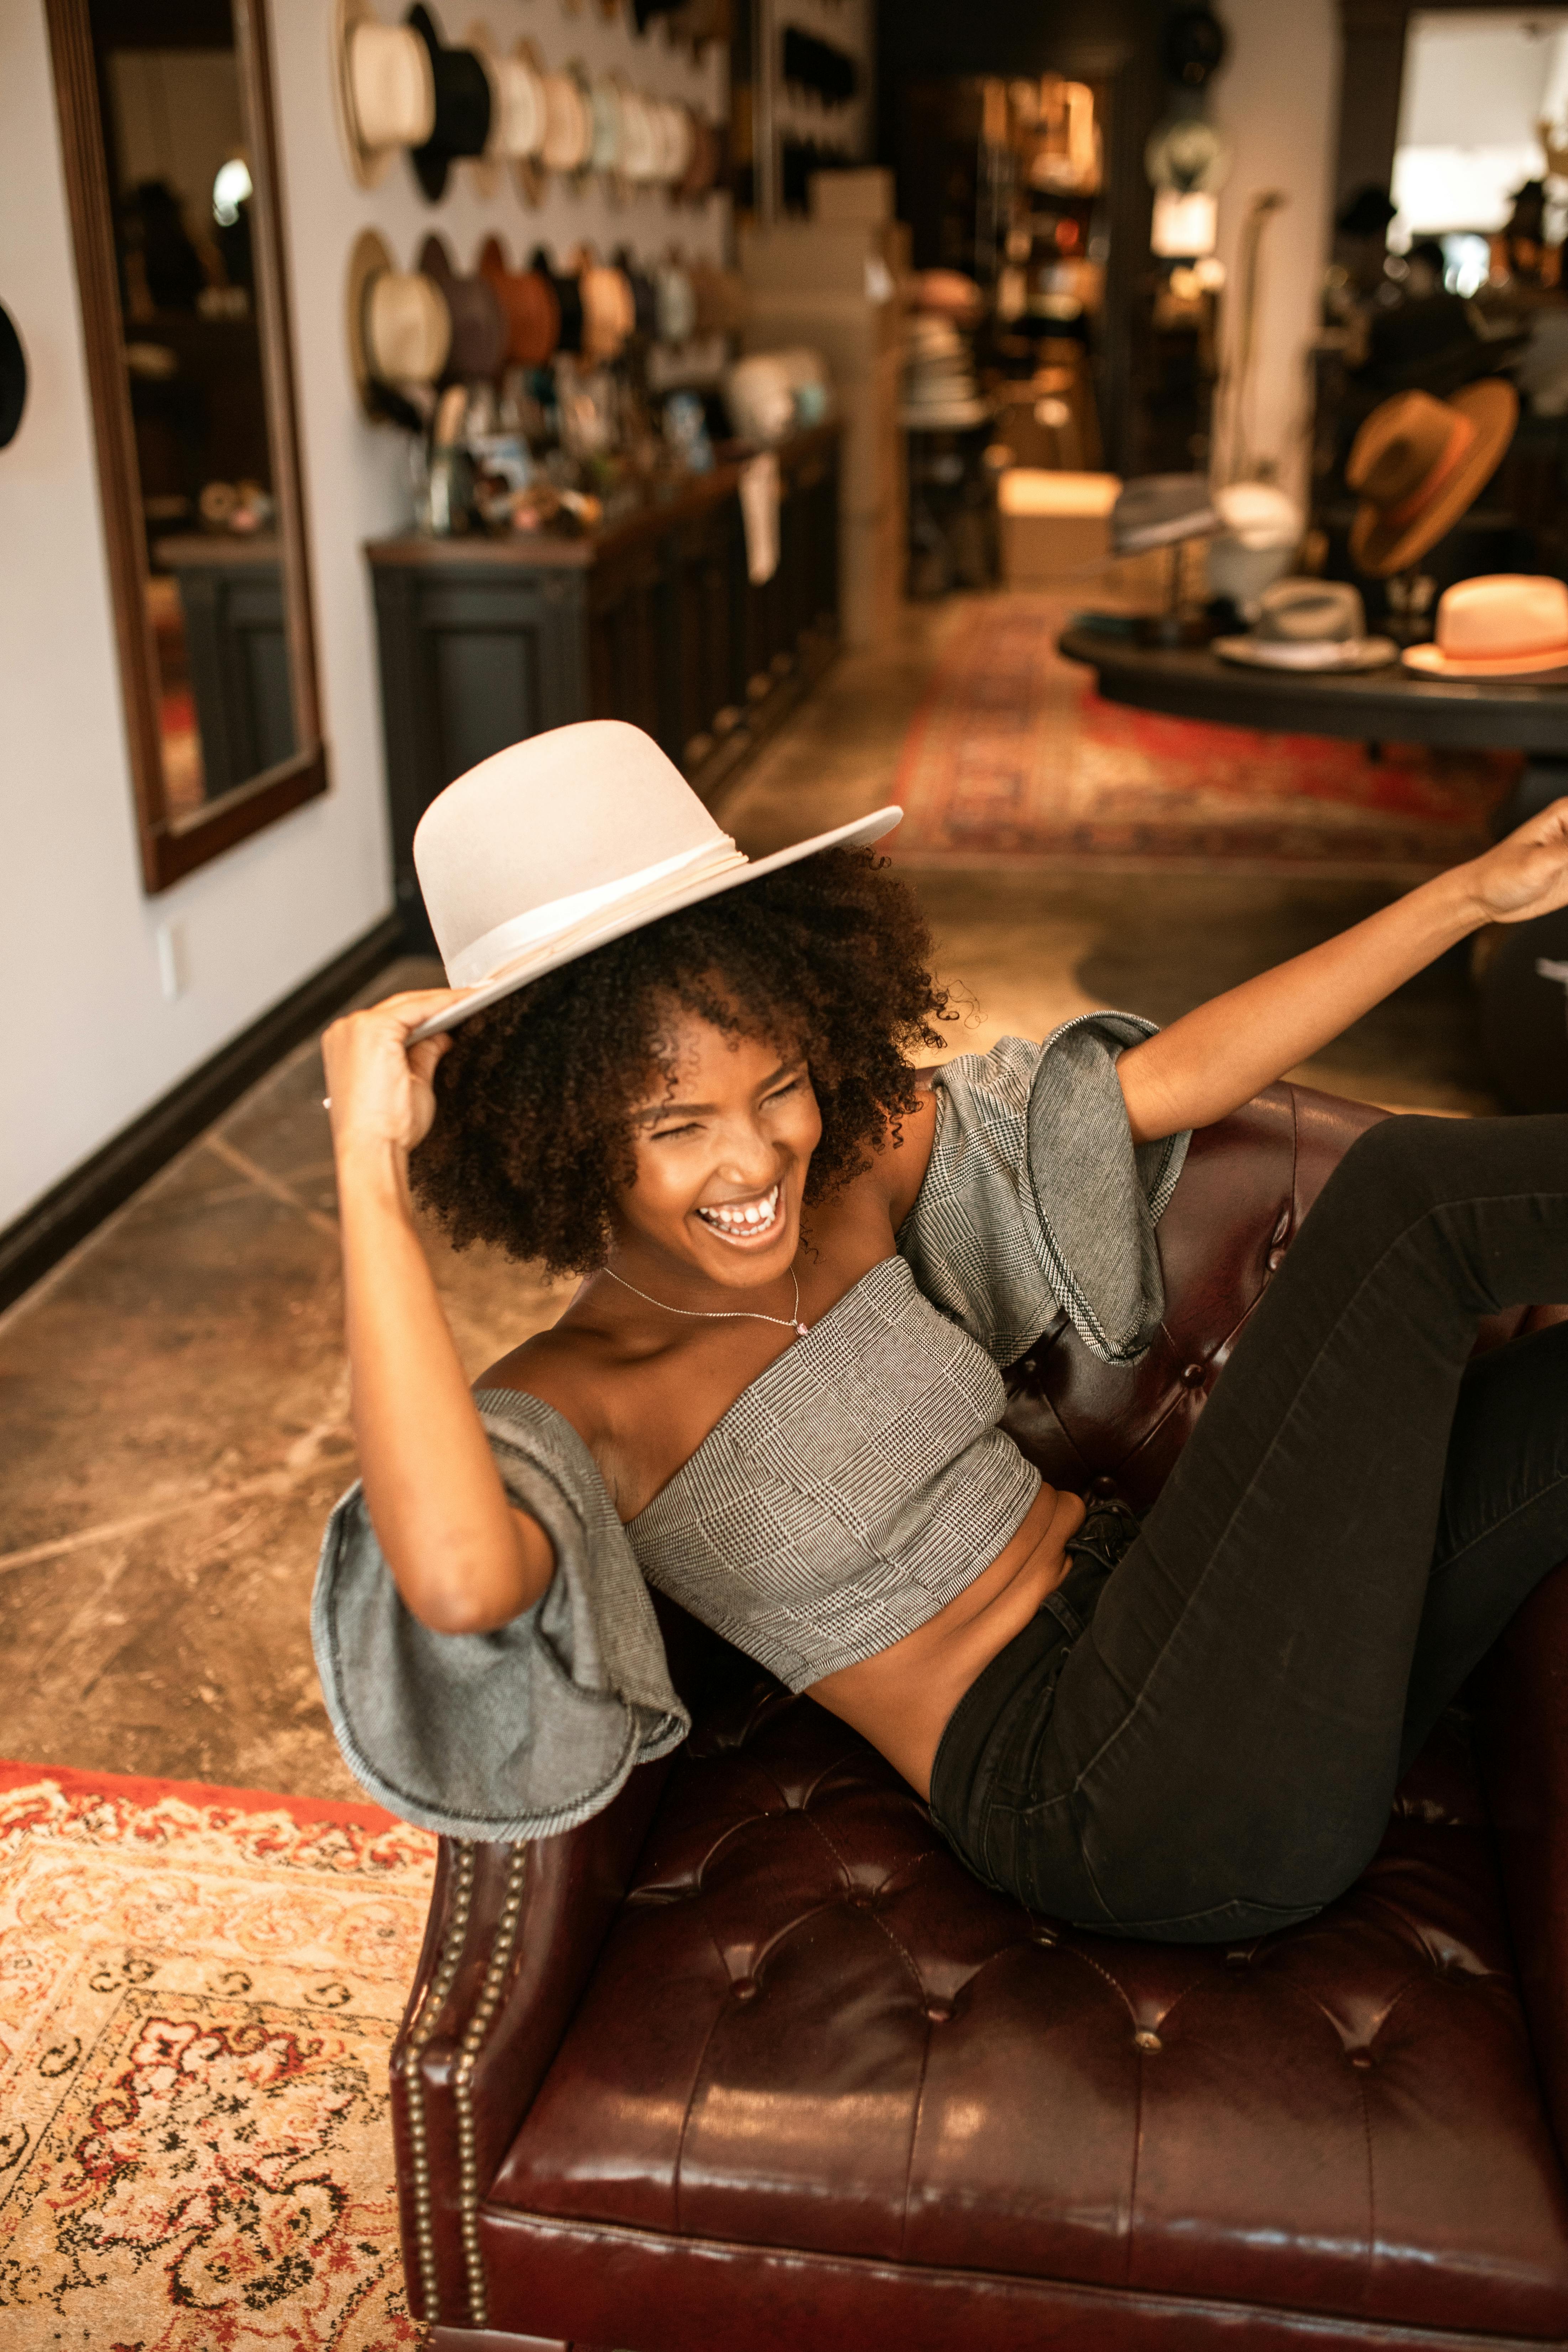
<point x="722" y="1159"/>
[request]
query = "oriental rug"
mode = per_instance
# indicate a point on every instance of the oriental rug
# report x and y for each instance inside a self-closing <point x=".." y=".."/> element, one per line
<point x="198" y="1993"/>
<point x="1013" y="757"/>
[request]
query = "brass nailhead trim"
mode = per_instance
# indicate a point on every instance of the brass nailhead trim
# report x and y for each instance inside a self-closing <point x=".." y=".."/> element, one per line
<point x="463" y="2081"/>
<point x="436" y="1997"/>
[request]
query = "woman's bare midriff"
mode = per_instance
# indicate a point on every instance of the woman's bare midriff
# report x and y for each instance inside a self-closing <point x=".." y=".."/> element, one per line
<point x="900" y="1699"/>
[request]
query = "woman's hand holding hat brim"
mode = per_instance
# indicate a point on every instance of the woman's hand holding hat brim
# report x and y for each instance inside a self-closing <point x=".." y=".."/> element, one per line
<point x="380" y="1064"/>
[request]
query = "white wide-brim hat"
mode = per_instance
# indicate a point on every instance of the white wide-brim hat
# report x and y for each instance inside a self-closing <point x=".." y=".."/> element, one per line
<point x="567" y="841"/>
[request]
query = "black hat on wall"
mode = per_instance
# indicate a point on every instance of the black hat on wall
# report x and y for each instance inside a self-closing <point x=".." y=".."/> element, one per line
<point x="12" y="378"/>
<point x="462" y="106"/>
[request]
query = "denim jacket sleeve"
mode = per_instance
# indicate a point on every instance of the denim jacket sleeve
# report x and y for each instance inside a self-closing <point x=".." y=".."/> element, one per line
<point x="524" y="1732"/>
<point x="1036" y="1203"/>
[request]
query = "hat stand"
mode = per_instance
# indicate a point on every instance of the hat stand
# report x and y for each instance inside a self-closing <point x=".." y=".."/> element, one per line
<point x="1411" y="595"/>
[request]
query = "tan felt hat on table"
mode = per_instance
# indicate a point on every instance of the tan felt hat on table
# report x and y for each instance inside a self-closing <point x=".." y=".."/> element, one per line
<point x="399" y="327"/>
<point x="1505" y="624"/>
<point x="568" y="841"/>
<point x="385" y="90"/>
<point x="1418" y="463"/>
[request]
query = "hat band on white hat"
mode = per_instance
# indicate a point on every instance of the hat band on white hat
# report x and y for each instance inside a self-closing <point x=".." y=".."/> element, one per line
<point x="488" y="955"/>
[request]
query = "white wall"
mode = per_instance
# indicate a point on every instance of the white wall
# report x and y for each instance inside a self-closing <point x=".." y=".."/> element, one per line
<point x="89" y="1040"/>
<point x="1277" y="99"/>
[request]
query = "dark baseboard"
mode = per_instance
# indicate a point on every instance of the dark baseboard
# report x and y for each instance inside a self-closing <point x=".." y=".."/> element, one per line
<point x="63" y="1217"/>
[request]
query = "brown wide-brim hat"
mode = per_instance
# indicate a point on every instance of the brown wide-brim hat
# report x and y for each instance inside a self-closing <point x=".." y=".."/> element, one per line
<point x="480" y="332"/>
<point x="1419" y="464"/>
<point x="528" y="302"/>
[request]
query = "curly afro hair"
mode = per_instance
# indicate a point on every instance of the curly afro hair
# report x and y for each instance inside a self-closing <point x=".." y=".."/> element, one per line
<point x="532" y="1142"/>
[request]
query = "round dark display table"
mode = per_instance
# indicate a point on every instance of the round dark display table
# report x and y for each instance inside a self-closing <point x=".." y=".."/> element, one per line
<point x="1523" y="981"/>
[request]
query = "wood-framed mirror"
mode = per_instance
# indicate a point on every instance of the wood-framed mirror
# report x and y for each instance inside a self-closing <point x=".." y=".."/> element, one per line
<point x="170" y="171"/>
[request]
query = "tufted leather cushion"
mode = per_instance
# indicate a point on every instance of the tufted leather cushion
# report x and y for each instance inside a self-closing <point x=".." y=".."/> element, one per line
<point x="811" y="2027"/>
<point x="822" y="2087"/>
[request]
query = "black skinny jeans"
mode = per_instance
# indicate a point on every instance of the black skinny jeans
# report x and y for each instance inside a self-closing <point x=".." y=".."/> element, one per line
<point x="1358" y="1514"/>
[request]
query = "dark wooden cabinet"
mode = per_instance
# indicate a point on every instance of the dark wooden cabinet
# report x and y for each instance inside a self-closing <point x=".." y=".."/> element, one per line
<point x="236" y="646"/>
<point x="653" y="619"/>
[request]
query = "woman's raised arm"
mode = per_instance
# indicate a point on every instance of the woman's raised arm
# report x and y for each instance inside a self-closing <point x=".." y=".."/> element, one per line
<point x="463" y="1560"/>
<point x="1214" y="1059"/>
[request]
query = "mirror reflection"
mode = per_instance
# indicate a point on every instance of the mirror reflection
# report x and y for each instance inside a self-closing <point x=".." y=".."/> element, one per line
<point x="178" y="158"/>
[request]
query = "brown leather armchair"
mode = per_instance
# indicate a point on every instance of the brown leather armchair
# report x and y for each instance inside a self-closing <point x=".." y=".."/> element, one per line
<point x="751" y="2060"/>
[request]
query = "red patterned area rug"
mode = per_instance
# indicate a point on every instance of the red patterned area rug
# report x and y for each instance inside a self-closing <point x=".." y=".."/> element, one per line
<point x="198" y="1993"/>
<point x="1012" y="756"/>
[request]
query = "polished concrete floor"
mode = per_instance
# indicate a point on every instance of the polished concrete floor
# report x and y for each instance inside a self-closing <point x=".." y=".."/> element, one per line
<point x="175" y="1400"/>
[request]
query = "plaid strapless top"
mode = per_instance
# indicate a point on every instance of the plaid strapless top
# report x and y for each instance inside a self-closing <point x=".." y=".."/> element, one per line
<point x="856" y="1486"/>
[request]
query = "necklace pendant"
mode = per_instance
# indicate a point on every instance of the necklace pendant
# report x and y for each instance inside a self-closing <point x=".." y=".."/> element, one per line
<point x="802" y="1329"/>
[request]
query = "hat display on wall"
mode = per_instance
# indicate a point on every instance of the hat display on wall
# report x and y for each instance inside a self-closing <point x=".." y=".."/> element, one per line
<point x="639" y="154"/>
<point x="462" y="120"/>
<point x="568" y="841"/>
<point x="385" y="88"/>
<point x="479" y="330"/>
<point x="609" y="317"/>
<point x="528" y="301"/>
<point x="1502" y="625"/>
<point x="1310" y="625"/>
<point x="399" y="327"/>
<point x="675" y="304"/>
<point x="707" y="161"/>
<point x="1418" y="463"/>
<point x="568" y="124"/>
<point x="517" y="112"/>
<point x="568" y="301"/>
<point x="605" y="109"/>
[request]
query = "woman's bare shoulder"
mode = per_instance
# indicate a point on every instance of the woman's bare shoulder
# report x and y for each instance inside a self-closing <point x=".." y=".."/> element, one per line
<point x="564" y="1368"/>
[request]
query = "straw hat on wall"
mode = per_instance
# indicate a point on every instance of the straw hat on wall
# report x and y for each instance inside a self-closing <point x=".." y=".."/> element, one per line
<point x="1418" y="464"/>
<point x="385" y="90"/>
<point x="399" y="327"/>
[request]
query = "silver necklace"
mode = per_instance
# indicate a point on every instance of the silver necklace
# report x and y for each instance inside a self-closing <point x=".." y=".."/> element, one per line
<point x="720" y="1314"/>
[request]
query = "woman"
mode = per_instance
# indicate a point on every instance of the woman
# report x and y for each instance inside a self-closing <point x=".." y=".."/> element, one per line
<point x="776" y="1393"/>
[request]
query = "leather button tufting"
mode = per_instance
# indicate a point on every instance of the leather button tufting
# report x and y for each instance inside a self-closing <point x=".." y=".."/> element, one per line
<point x="939" y="2011"/>
<point x="1361" y="2058"/>
<point x="1192" y="1377"/>
<point x="744" y="1989"/>
<point x="862" y="1900"/>
<point x="1102" y="1485"/>
<point x="1028" y="1363"/>
<point x="1146" y="2039"/>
